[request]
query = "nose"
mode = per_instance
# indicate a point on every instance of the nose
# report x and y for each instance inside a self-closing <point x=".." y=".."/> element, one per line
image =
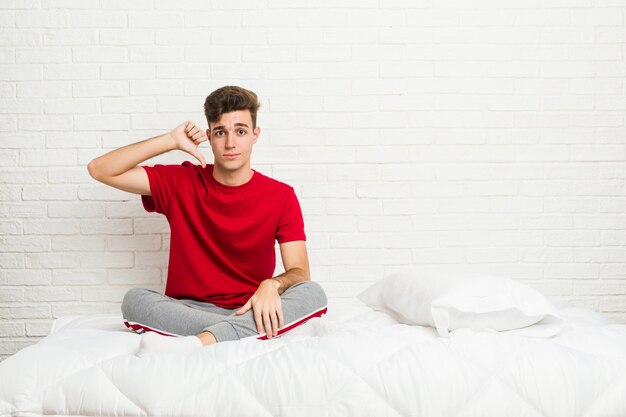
<point x="230" y="141"/>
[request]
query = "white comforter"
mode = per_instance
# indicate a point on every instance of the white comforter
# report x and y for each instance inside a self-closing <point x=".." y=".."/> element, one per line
<point x="351" y="362"/>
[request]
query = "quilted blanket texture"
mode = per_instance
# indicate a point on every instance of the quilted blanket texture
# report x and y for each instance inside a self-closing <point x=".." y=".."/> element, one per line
<point x="353" y="361"/>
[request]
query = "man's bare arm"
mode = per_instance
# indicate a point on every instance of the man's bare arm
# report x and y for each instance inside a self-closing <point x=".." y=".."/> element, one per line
<point x="265" y="302"/>
<point x="296" y="264"/>
<point x="119" y="169"/>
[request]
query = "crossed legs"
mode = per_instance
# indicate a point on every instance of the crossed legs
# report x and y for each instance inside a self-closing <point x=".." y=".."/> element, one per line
<point x="150" y="312"/>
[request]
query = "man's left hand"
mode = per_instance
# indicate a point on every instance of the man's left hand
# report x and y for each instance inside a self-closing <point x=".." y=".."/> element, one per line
<point x="265" y="304"/>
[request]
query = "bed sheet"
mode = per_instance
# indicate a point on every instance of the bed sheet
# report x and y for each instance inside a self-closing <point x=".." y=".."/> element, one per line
<point x="353" y="361"/>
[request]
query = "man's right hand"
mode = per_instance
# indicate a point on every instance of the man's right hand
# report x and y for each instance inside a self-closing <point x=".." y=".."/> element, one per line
<point x="187" y="137"/>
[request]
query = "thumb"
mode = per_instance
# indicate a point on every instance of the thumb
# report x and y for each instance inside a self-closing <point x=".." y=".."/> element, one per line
<point x="243" y="309"/>
<point x="199" y="157"/>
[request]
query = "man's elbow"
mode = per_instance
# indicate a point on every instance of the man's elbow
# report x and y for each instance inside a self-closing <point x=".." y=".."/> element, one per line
<point x="91" y="168"/>
<point x="94" y="169"/>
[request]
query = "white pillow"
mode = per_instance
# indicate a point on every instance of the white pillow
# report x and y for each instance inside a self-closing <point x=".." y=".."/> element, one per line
<point x="449" y="300"/>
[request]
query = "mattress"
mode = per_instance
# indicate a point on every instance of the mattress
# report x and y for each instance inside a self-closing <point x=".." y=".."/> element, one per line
<point x="353" y="361"/>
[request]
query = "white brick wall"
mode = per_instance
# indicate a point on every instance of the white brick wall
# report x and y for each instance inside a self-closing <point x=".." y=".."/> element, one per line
<point x="486" y="135"/>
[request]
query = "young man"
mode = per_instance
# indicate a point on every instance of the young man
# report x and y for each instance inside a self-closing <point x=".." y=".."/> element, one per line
<point x="224" y="220"/>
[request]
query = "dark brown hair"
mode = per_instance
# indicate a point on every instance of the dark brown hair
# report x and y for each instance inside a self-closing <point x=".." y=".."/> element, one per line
<point x="228" y="99"/>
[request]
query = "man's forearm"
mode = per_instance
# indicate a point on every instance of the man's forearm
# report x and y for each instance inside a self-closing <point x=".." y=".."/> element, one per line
<point x="121" y="160"/>
<point x="289" y="278"/>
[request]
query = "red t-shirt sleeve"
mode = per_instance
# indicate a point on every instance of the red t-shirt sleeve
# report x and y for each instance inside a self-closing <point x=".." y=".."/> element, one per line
<point x="290" y="223"/>
<point x="163" y="179"/>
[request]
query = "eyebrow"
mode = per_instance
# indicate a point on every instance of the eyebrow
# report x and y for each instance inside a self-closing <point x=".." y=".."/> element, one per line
<point x="236" y="124"/>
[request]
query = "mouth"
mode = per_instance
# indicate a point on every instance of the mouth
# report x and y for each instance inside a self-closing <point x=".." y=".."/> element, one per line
<point x="231" y="155"/>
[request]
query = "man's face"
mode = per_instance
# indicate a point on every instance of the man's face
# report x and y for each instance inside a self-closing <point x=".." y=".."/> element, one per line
<point x="231" y="140"/>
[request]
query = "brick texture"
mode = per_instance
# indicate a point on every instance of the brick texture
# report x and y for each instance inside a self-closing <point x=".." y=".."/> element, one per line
<point x="415" y="133"/>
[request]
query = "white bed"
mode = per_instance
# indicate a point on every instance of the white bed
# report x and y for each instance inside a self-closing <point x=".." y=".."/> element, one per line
<point x="353" y="361"/>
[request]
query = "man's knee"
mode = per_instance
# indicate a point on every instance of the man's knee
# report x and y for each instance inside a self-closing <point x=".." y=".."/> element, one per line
<point x="320" y="294"/>
<point x="132" y="302"/>
<point x="313" y="293"/>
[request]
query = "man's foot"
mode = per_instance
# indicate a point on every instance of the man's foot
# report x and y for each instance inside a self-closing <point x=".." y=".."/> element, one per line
<point x="152" y="342"/>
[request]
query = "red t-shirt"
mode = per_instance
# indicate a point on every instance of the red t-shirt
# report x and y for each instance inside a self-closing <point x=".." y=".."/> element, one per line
<point x="222" y="237"/>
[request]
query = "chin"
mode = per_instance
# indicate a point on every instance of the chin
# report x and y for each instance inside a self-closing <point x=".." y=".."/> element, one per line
<point x="232" y="165"/>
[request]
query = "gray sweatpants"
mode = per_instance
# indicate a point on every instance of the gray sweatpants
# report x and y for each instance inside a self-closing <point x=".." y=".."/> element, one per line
<point x="148" y="310"/>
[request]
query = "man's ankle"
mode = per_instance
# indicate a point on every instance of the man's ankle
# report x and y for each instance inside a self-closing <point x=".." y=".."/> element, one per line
<point x="206" y="338"/>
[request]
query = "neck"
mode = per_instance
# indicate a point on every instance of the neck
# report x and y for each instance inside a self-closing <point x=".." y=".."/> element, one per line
<point x="234" y="178"/>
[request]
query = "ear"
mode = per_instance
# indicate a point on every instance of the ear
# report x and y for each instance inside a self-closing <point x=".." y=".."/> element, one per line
<point x="208" y="135"/>
<point x="256" y="132"/>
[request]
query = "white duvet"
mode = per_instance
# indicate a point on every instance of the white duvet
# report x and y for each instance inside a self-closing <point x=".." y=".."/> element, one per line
<point x="353" y="361"/>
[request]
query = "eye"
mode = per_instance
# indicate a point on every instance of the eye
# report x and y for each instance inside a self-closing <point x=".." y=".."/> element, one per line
<point x="243" y="132"/>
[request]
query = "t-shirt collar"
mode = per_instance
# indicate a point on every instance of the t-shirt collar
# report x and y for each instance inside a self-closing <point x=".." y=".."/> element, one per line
<point x="231" y="188"/>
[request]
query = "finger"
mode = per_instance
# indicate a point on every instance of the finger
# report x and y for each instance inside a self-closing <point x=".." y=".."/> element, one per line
<point x="198" y="135"/>
<point x="274" y="318"/>
<point x="199" y="157"/>
<point x="281" y="319"/>
<point x="268" y="325"/>
<point x="258" y="320"/>
<point x="188" y="126"/>
<point x="243" y="309"/>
